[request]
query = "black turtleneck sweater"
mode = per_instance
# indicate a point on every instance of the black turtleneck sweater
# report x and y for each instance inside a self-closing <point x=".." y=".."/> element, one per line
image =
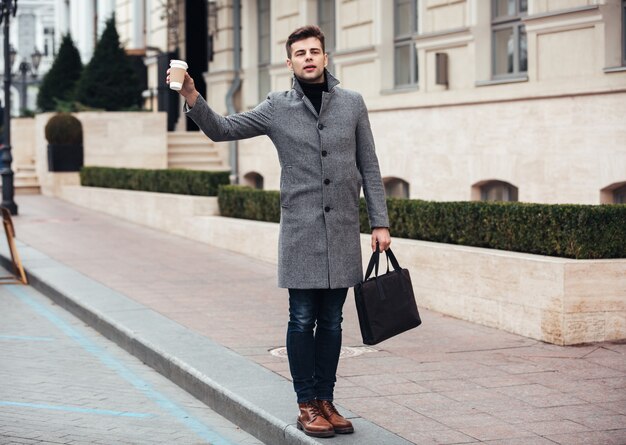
<point x="314" y="92"/>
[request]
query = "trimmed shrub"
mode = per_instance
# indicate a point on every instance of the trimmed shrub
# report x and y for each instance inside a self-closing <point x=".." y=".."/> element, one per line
<point x="177" y="181"/>
<point x="109" y="81"/>
<point x="570" y="231"/>
<point x="59" y="83"/>
<point x="63" y="128"/>
<point x="244" y="202"/>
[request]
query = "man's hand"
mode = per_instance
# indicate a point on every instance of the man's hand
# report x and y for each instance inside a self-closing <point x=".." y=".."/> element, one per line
<point x="188" y="91"/>
<point x="381" y="234"/>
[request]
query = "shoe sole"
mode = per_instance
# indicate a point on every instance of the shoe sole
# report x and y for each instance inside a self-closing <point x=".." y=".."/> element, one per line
<point x="349" y="430"/>
<point x="312" y="434"/>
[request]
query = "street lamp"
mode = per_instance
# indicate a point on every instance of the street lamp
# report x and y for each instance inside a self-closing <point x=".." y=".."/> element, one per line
<point x="8" y="8"/>
<point x="24" y="69"/>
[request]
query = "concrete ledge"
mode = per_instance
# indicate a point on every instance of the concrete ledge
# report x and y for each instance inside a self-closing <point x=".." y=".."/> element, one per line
<point x="164" y="211"/>
<point x="258" y="400"/>
<point x="557" y="300"/>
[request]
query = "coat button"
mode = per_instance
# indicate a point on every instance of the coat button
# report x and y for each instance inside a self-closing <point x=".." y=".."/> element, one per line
<point x="327" y="181"/>
<point x="324" y="153"/>
<point x="327" y="209"/>
<point x="320" y="126"/>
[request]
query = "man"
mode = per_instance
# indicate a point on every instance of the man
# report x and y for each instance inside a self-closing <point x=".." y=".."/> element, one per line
<point x="326" y="152"/>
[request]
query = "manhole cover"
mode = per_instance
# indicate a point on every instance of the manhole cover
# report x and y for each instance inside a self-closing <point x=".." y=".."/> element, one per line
<point x="346" y="351"/>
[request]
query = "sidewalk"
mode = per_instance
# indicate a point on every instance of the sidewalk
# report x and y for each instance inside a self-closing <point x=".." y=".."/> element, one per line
<point x="446" y="382"/>
<point x="64" y="384"/>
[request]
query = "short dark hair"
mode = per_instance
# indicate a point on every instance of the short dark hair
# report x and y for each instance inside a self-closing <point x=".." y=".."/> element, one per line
<point x="302" y="33"/>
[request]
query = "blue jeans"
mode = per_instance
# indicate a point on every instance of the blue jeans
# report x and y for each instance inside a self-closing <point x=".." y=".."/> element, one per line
<point x="314" y="356"/>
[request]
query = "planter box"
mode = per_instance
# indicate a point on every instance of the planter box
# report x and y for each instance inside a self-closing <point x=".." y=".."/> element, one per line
<point x="556" y="300"/>
<point x="65" y="157"/>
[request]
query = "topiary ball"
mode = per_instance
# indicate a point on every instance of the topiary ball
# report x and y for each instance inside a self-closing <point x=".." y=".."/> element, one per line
<point x="63" y="128"/>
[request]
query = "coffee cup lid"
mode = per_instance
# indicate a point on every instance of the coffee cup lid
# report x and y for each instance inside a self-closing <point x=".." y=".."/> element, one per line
<point x="178" y="64"/>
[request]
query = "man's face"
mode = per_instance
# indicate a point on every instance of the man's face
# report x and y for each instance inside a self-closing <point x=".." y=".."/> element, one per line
<point x="308" y="60"/>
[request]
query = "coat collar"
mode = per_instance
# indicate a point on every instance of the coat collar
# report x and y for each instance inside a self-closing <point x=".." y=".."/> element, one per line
<point x="330" y="80"/>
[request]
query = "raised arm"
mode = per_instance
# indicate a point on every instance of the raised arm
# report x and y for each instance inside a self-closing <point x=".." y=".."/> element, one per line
<point x="218" y="128"/>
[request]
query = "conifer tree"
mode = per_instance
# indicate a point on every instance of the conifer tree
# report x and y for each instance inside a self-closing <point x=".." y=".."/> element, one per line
<point x="60" y="81"/>
<point x="108" y="81"/>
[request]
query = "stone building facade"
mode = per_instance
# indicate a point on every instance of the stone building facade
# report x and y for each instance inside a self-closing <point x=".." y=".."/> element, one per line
<point x="469" y="99"/>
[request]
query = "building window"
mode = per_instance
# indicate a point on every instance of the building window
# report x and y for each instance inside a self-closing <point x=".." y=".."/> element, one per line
<point x="509" y="41"/>
<point x="498" y="191"/>
<point x="396" y="188"/>
<point x="619" y="195"/>
<point x="254" y="180"/>
<point x="405" y="54"/>
<point x="614" y="193"/>
<point x="326" y="16"/>
<point x="265" y="48"/>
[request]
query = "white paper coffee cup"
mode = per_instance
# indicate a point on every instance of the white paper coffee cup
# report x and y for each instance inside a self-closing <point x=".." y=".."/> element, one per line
<point x="177" y="74"/>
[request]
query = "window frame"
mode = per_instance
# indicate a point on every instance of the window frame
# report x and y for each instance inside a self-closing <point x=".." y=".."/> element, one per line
<point x="514" y="22"/>
<point x="263" y="66"/>
<point x="510" y="191"/>
<point x="623" y="32"/>
<point x="330" y="45"/>
<point x="408" y="39"/>
<point x="391" y="182"/>
<point x="619" y="195"/>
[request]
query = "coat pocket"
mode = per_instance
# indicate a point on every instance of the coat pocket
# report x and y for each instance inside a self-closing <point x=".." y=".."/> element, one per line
<point x="286" y="182"/>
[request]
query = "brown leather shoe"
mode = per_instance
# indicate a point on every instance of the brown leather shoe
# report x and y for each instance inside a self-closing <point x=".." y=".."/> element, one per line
<point x="312" y="422"/>
<point x="340" y="424"/>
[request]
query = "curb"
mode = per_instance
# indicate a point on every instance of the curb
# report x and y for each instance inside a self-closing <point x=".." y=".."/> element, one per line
<point x="256" y="399"/>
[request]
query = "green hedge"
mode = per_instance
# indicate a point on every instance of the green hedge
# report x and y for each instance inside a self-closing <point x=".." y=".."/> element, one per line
<point x="178" y="181"/>
<point x="247" y="203"/>
<point x="570" y="231"/>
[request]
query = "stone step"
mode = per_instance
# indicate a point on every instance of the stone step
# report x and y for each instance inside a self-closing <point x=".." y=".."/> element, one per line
<point x="193" y="155"/>
<point x="25" y="180"/>
<point x="214" y="167"/>
<point x="26" y="168"/>
<point x="187" y="137"/>
<point x="193" y="151"/>
<point x="194" y="163"/>
<point x="189" y="144"/>
<point x="27" y="190"/>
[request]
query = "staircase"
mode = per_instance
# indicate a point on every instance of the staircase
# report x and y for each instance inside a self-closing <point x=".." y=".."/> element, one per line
<point x="192" y="150"/>
<point x="25" y="180"/>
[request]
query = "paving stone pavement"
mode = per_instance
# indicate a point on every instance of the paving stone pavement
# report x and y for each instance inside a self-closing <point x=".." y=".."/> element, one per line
<point x="447" y="382"/>
<point x="62" y="383"/>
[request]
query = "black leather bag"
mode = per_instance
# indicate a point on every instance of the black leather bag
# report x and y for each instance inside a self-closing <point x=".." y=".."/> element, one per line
<point x="385" y="304"/>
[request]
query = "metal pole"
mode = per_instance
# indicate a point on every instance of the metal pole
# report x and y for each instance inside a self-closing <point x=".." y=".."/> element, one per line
<point x="234" y="87"/>
<point x="23" y="72"/>
<point x="6" y="172"/>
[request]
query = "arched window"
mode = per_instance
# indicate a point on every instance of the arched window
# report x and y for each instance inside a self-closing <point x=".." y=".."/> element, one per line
<point x="619" y="195"/>
<point x="396" y="187"/>
<point x="253" y="179"/>
<point x="614" y="193"/>
<point x="494" y="190"/>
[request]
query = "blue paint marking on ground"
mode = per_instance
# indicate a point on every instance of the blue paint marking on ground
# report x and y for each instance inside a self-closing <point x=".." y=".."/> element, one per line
<point x="75" y="409"/>
<point x="193" y="424"/>
<point x="25" y="337"/>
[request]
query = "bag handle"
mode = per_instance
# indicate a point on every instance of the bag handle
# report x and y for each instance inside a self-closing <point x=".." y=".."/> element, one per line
<point x="373" y="263"/>
<point x="374" y="260"/>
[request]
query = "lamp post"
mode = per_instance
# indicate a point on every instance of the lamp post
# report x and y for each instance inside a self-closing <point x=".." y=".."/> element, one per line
<point x="22" y="81"/>
<point x="8" y="8"/>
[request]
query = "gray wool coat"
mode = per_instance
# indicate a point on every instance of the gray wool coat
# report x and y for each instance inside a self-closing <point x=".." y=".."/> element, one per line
<point x="325" y="159"/>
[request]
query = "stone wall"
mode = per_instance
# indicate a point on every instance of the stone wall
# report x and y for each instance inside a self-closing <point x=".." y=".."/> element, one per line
<point x="557" y="300"/>
<point x="110" y="139"/>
